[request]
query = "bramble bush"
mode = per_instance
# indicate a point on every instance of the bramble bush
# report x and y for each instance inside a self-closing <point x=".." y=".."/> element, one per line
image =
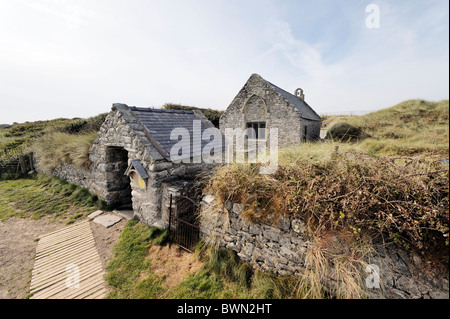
<point x="404" y="199"/>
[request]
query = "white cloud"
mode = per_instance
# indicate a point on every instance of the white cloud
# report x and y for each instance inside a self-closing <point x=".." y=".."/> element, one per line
<point x="75" y="58"/>
<point x="71" y="12"/>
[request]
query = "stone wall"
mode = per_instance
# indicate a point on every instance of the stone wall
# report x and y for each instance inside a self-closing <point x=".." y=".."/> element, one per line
<point x="278" y="247"/>
<point x="281" y="247"/>
<point x="313" y="131"/>
<point x="67" y="172"/>
<point x="72" y="175"/>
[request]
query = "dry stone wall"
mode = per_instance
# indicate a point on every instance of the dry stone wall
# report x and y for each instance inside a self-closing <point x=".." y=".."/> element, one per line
<point x="68" y="172"/>
<point x="281" y="247"/>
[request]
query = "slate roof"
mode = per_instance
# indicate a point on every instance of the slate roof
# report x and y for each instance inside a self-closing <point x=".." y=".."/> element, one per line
<point x="305" y="110"/>
<point x="160" y="123"/>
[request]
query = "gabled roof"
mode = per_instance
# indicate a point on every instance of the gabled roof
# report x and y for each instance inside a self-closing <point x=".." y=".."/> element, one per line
<point x="160" y="123"/>
<point x="305" y="110"/>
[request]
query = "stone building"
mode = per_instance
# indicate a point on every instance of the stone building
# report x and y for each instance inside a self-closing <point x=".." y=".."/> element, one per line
<point x="262" y="105"/>
<point x="131" y="163"/>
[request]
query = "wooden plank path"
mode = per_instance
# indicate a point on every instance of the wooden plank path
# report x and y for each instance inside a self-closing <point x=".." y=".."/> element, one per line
<point x="67" y="265"/>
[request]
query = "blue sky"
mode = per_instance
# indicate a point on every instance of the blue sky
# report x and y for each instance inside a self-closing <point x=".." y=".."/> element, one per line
<point x="74" y="58"/>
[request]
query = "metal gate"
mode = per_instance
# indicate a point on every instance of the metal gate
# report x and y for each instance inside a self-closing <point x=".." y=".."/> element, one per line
<point x="183" y="233"/>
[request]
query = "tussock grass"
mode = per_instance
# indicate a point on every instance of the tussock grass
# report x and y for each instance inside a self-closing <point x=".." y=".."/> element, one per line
<point x="18" y="138"/>
<point x="224" y="275"/>
<point x="334" y="266"/>
<point x="55" y="149"/>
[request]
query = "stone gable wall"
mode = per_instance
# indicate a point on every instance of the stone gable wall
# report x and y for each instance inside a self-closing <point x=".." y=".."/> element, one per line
<point x="277" y="111"/>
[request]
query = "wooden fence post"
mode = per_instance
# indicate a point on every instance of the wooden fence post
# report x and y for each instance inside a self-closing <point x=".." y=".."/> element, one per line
<point x="170" y="215"/>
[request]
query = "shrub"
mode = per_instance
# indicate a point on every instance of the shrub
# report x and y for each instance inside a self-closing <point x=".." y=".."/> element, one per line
<point x="344" y="132"/>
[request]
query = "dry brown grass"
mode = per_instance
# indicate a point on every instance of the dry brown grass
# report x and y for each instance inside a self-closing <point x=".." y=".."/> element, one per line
<point x="334" y="266"/>
<point x="62" y="148"/>
<point x="172" y="263"/>
<point x="404" y="199"/>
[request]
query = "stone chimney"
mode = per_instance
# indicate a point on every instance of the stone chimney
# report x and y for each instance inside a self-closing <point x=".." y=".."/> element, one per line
<point x="299" y="93"/>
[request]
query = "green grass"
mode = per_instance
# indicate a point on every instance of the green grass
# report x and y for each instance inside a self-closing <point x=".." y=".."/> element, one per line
<point x="38" y="196"/>
<point x="129" y="263"/>
<point x="222" y="275"/>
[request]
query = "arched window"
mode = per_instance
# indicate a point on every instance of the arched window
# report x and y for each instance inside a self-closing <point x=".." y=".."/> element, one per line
<point x="255" y="117"/>
<point x="255" y="109"/>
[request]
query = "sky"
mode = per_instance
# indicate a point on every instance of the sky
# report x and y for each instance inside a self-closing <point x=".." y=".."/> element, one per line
<point x="75" y="58"/>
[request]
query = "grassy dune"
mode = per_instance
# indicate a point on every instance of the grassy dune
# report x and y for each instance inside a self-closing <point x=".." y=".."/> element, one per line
<point x="409" y="128"/>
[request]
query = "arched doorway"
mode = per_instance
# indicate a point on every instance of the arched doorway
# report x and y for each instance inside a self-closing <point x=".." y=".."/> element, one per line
<point x="117" y="183"/>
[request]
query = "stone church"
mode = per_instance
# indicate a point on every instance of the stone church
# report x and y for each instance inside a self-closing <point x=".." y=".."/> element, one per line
<point x="262" y="105"/>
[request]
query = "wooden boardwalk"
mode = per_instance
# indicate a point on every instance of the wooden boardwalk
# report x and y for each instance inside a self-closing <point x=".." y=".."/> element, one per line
<point x="67" y="265"/>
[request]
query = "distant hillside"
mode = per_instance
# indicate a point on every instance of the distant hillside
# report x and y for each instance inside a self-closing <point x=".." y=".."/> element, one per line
<point x="212" y="115"/>
<point x="14" y="138"/>
<point x="410" y="127"/>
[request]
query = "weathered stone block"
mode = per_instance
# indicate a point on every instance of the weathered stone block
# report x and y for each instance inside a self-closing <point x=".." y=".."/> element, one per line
<point x="254" y="230"/>
<point x="271" y="233"/>
<point x="284" y="223"/>
<point x="237" y="208"/>
<point x="180" y="171"/>
<point x="298" y="225"/>
<point x="160" y="166"/>
<point x="209" y="199"/>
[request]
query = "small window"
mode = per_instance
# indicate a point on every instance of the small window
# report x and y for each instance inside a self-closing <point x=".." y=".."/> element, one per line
<point x="257" y="130"/>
